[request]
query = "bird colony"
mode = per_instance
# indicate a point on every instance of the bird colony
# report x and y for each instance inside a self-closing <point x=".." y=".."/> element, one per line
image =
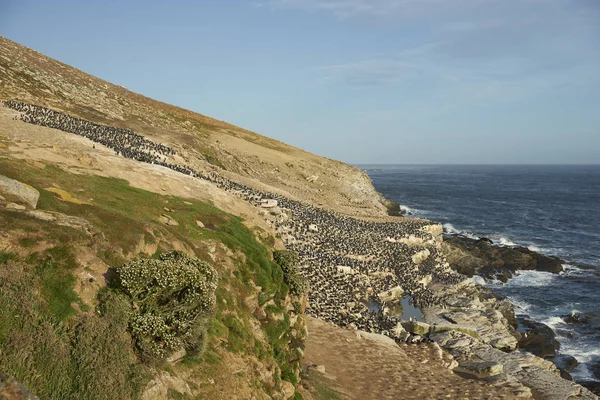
<point x="357" y="270"/>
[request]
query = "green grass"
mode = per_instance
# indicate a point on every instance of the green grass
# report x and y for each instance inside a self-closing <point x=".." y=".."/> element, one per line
<point x="5" y="257"/>
<point x="125" y="215"/>
<point x="56" y="287"/>
<point x="175" y="395"/>
<point x="87" y="357"/>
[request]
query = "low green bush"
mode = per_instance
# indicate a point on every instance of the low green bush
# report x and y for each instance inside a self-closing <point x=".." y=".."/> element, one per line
<point x="393" y="209"/>
<point x="289" y="263"/>
<point x="171" y="297"/>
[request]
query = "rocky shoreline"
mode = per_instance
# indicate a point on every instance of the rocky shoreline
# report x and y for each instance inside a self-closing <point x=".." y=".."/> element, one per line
<point x="351" y="263"/>
<point x="481" y="257"/>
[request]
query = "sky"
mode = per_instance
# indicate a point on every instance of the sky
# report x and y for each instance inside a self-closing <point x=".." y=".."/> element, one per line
<point x="362" y="81"/>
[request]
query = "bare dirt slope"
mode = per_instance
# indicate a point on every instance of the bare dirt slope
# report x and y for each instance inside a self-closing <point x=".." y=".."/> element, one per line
<point x="28" y="76"/>
<point x="362" y="368"/>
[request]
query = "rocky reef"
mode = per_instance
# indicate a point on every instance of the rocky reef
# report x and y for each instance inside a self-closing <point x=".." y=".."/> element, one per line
<point x="482" y="257"/>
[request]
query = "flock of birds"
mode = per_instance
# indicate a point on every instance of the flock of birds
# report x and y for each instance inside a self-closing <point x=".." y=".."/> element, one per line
<point x="350" y="264"/>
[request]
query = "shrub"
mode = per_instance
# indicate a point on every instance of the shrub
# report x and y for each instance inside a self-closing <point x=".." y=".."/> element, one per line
<point x="393" y="209"/>
<point x="171" y="298"/>
<point x="289" y="263"/>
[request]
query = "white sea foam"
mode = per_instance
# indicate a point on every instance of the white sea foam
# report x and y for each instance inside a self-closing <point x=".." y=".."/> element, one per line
<point x="519" y="304"/>
<point x="573" y="269"/>
<point x="584" y="353"/>
<point x="531" y="279"/>
<point x="504" y="241"/>
<point x="408" y="210"/>
<point x="534" y="248"/>
<point x="478" y="280"/>
<point x="449" y="228"/>
<point x="554" y="322"/>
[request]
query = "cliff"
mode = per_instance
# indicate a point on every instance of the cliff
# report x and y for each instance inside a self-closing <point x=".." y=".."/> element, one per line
<point x="123" y="180"/>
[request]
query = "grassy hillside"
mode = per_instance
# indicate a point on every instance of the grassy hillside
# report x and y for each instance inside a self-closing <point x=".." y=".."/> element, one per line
<point x="29" y="76"/>
<point x="61" y="341"/>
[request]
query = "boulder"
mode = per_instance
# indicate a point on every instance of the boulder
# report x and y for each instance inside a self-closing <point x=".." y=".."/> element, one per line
<point x="345" y="269"/>
<point x="13" y="390"/>
<point x="420" y="256"/>
<point x="15" y="206"/>
<point x="537" y="338"/>
<point x="590" y="319"/>
<point x="167" y="220"/>
<point x="19" y="192"/>
<point x="565" y="362"/>
<point x="469" y="330"/>
<point x="480" y="256"/>
<point x="391" y="294"/>
<point x="592" y="386"/>
<point x="268" y="203"/>
<point x="595" y="367"/>
<point x="416" y="327"/>
<point x="200" y="224"/>
<point x="176" y="356"/>
<point x="493" y="273"/>
<point x="486" y="368"/>
<point x="288" y="389"/>
<point x="43" y="215"/>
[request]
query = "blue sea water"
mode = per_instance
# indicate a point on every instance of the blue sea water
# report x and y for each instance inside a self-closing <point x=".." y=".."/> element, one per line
<point x="554" y="210"/>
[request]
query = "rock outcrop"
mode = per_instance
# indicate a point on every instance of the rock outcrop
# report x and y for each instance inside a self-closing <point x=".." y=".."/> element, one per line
<point x="537" y="338"/>
<point x="18" y="192"/>
<point x="477" y="329"/>
<point x="481" y="257"/>
<point x="13" y="390"/>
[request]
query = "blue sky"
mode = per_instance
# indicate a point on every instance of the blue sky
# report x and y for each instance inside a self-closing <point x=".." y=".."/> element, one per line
<point x="362" y="81"/>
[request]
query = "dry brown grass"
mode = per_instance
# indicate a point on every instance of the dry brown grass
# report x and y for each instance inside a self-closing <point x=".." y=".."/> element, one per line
<point x="203" y="142"/>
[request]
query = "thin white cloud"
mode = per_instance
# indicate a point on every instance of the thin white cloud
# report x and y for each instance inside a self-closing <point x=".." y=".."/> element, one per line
<point x="388" y="8"/>
<point x="375" y="72"/>
<point x="483" y="50"/>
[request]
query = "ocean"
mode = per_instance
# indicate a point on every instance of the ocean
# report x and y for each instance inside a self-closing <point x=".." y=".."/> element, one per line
<point x="554" y="210"/>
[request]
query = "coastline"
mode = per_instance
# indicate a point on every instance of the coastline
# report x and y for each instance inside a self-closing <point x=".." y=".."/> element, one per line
<point x="349" y="261"/>
<point x="479" y="329"/>
<point x="535" y="208"/>
<point x="503" y="334"/>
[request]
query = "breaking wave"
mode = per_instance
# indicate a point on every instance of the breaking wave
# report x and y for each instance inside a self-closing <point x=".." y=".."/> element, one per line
<point x="531" y="279"/>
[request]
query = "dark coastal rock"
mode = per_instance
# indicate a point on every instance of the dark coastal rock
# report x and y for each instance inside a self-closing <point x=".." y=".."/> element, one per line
<point x="584" y="318"/>
<point x="565" y="362"/>
<point x="537" y="338"/>
<point x="502" y="274"/>
<point x="594" y="367"/>
<point x="592" y="386"/>
<point x="480" y="256"/>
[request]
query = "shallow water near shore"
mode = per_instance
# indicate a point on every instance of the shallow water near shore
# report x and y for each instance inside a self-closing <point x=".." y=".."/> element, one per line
<point x="550" y="209"/>
<point x="405" y="311"/>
